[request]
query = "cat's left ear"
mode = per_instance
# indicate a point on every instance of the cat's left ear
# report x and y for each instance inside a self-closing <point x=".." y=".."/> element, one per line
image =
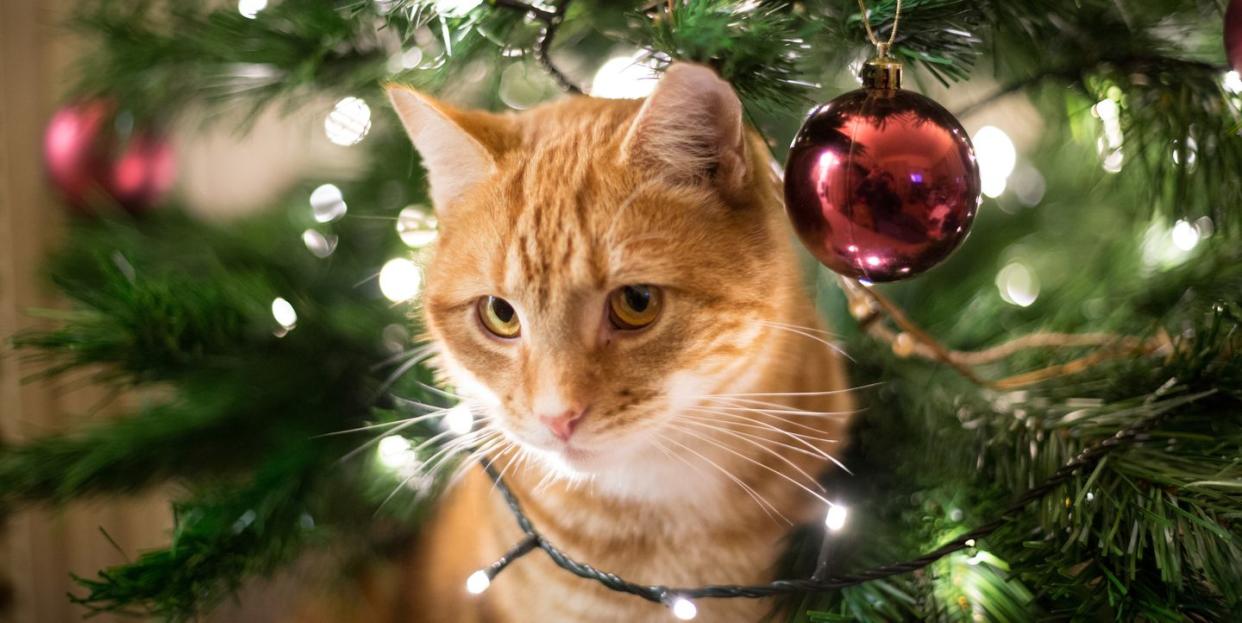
<point x="691" y="130"/>
<point x="458" y="147"/>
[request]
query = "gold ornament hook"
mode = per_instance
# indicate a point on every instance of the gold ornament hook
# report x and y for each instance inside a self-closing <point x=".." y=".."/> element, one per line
<point x="883" y="71"/>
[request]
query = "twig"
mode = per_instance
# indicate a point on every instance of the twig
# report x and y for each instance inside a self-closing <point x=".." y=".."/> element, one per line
<point x="869" y="305"/>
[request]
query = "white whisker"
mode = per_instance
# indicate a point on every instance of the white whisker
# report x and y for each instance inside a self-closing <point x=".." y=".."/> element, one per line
<point x="742" y="456"/>
<point x="810" y="336"/>
<point x="763" y="503"/>
<point x="831" y="392"/>
<point x="749" y="423"/>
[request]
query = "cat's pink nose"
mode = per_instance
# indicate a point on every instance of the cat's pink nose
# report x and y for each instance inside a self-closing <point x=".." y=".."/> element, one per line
<point x="563" y="424"/>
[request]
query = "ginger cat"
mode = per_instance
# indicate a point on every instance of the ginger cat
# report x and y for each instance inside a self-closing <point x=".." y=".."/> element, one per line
<point x="615" y="291"/>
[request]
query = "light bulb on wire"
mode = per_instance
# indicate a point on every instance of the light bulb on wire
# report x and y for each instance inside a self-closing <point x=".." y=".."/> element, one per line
<point x="478" y="582"/>
<point x="835" y="520"/>
<point x="684" y="609"/>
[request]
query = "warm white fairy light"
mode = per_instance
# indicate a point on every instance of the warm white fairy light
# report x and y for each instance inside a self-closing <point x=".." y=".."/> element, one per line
<point x="250" y="9"/>
<point x="394" y="451"/>
<point x="1018" y="284"/>
<point x="684" y="609"/>
<point x="459" y="420"/>
<point x="996" y="156"/>
<point x="478" y="582"/>
<point x="624" y="77"/>
<point x="284" y="313"/>
<point x="1232" y="82"/>
<point x="1165" y="247"/>
<point x="416" y="226"/>
<point x="1110" y="144"/>
<point x="1184" y="235"/>
<point x="318" y="244"/>
<point x="400" y="280"/>
<point x="327" y="203"/>
<point x="349" y="122"/>
<point x="835" y="520"/>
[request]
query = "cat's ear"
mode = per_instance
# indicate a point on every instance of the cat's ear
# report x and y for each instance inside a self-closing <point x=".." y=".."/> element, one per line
<point x="691" y="130"/>
<point x="459" y="148"/>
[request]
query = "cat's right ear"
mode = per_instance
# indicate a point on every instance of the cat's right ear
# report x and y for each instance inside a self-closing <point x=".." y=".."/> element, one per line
<point x="459" y="148"/>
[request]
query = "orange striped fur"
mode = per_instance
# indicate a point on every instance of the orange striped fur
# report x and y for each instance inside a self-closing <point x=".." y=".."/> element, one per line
<point x="552" y="209"/>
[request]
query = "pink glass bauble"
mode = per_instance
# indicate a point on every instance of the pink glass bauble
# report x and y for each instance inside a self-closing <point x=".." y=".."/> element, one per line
<point x="94" y="166"/>
<point x="881" y="184"/>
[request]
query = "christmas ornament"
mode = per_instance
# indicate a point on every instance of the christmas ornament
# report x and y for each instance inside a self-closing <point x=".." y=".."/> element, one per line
<point x="1233" y="34"/>
<point x="96" y="159"/>
<point x="881" y="183"/>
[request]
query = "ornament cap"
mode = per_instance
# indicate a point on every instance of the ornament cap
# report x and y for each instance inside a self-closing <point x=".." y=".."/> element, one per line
<point x="882" y="72"/>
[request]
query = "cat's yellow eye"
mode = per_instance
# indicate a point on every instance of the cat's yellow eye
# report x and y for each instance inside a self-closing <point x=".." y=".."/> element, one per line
<point x="499" y="317"/>
<point x="633" y="307"/>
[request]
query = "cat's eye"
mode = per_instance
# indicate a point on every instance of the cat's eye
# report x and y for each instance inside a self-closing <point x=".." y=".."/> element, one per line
<point x="633" y="307"/>
<point x="499" y="317"/>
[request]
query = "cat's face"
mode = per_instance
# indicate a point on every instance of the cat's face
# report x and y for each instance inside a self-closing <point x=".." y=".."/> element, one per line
<point x="598" y="270"/>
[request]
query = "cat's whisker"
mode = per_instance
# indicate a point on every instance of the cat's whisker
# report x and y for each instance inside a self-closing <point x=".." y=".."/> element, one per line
<point x="440" y="456"/>
<point x="810" y="336"/>
<point x="786" y="411"/>
<point x="398" y="373"/>
<point x="750" y="423"/>
<point x="831" y="392"/>
<point x="760" y="441"/>
<point x="417" y="351"/>
<point x="406" y="401"/>
<point x="761" y="501"/>
<point x="749" y="416"/>
<point x="819" y="331"/>
<point x="394" y="430"/>
<point x="826" y="440"/>
<point x="402" y="422"/>
<point x="442" y="392"/>
<point x="744" y="457"/>
<point x="508" y="464"/>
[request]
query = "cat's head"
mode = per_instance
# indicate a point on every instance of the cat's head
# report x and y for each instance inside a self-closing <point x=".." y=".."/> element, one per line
<point x="601" y="264"/>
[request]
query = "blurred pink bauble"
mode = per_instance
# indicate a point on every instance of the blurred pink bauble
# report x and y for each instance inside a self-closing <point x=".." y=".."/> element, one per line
<point x="96" y="166"/>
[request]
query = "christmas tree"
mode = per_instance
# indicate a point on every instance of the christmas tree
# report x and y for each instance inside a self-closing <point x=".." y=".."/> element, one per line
<point x="1053" y="419"/>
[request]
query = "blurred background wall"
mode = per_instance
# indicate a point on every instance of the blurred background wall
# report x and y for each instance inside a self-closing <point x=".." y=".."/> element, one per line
<point x="39" y="549"/>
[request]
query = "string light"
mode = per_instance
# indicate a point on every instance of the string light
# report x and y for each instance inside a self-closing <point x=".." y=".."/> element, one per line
<point x="1109" y="145"/>
<point x="478" y="582"/>
<point x="624" y="77"/>
<point x="1018" y="284"/>
<point x="1184" y="235"/>
<point x="400" y="280"/>
<point x="684" y="609"/>
<point x="416" y="226"/>
<point x="327" y="203"/>
<point x="996" y="156"/>
<point x="459" y="420"/>
<point x="835" y="520"/>
<point x="394" y="451"/>
<point x="1232" y="82"/>
<point x="284" y="313"/>
<point x="250" y="9"/>
<point x="318" y="244"/>
<point x="349" y="122"/>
